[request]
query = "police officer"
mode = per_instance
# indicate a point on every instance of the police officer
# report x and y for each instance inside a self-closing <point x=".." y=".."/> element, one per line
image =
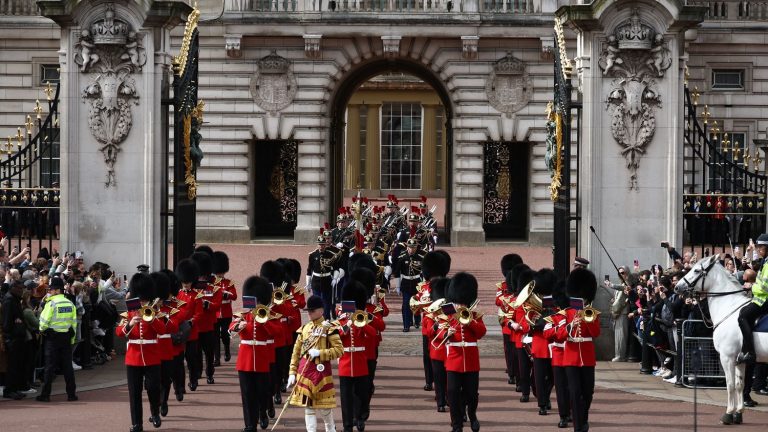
<point x="758" y="306"/>
<point x="58" y="322"/>
<point x="408" y="268"/>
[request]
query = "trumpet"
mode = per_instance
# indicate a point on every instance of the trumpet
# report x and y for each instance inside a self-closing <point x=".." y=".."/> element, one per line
<point x="467" y="314"/>
<point x="279" y="297"/>
<point x="149" y="312"/>
<point x="588" y="314"/>
<point x="360" y="318"/>
<point x="263" y="314"/>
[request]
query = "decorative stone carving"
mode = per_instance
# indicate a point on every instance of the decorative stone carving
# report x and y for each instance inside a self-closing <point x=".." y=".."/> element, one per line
<point x="469" y="47"/>
<point x="274" y="86"/>
<point x="109" y="48"/>
<point x="312" y="45"/>
<point x="391" y="44"/>
<point x="508" y="87"/>
<point x="634" y="55"/>
<point x="232" y="45"/>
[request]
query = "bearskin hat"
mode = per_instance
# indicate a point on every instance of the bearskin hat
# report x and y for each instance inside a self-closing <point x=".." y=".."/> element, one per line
<point x="437" y="287"/>
<point x="292" y="268"/>
<point x="508" y="261"/>
<point x="204" y="263"/>
<point x="273" y="272"/>
<point x="447" y="258"/>
<point x="173" y="282"/>
<point x="220" y="262"/>
<point x="511" y="277"/>
<point x="187" y="271"/>
<point x="560" y="296"/>
<point x="366" y="277"/>
<point x="142" y="286"/>
<point x="545" y="280"/>
<point x="205" y="249"/>
<point x="434" y="265"/>
<point x="361" y="260"/>
<point x="162" y="284"/>
<point x="355" y="291"/>
<point x="257" y="286"/>
<point x="582" y="283"/>
<point x="525" y="277"/>
<point x="462" y="289"/>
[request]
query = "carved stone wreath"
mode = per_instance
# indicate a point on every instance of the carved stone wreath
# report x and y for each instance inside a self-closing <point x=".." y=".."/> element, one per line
<point x="273" y="87"/>
<point x="109" y="48"/>
<point x="508" y="87"/>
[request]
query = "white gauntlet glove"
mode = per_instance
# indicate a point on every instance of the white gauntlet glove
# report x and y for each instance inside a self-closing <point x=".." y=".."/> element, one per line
<point x="309" y="280"/>
<point x="387" y="272"/>
<point x="291" y="380"/>
<point x="313" y="352"/>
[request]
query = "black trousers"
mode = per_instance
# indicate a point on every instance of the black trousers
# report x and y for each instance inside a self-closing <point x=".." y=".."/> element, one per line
<point x="282" y="365"/>
<point x="222" y="333"/>
<point x="208" y="342"/>
<point x="760" y="376"/>
<point x="194" y="357"/>
<point x="179" y="375"/>
<point x="747" y="316"/>
<point x="441" y="382"/>
<point x="561" y="391"/>
<point x="462" y="391"/>
<point x="581" y="386"/>
<point x="58" y="354"/>
<point x="408" y="316"/>
<point x="15" y="377"/>
<point x="255" y="395"/>
<point x="428" y="375"/>
<point x="354" y="399"/>
<point x="510" y="357"/>
<point x="166" y="378"/>
<point x="542" y="371"/>
<point x="139" y="378"/>
<point x="524" y="365"/>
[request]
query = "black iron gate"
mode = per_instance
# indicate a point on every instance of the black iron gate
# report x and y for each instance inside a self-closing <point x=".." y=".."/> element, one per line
<point x="275" y="170"/>
<point x="505" y="189"/>
<point x="187" y="120"/>
<point x="29" y="182"/>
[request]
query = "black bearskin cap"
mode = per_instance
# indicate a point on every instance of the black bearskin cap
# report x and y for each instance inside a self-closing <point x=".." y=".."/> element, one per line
<point x="142" y="286"/>
<point x="204" y="263"/>
<point x="187" y="271"/>
<point x="220" y="262"/>
<point x="447" y="257"/>
<point x="355" y="291"/>
<point x="582" y="283"/>
<point x="559" y="296"/>
<point x="273" y="272"/>
<point x="173" y="282"/>
<point x="361" y="260"/>
<point x="508" y="261"/>
<point x="437" y="287"/>
<point x="162" y="284"/>
<point x="434" y="265"/>
<point x="292" y="269"/>
<point x="512" y="275"/>
<point x="366" y="277"/>
<point x="545" y="280"/>
<point x="462" y="289"/>
<point x="256" y="286"/>
<point x="205" y="249"/>
<point x="524" y="278"/>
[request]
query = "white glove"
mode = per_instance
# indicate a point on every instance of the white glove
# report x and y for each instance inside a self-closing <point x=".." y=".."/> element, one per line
<point x="340" y="245"/>
<point x="341" y="273"/>
<point x="397" y="284"/>
<point x="387" y="272"/>
<point x="291" y="380"/>
<point x="314" y="352"/>
<point x="309" y="280"/>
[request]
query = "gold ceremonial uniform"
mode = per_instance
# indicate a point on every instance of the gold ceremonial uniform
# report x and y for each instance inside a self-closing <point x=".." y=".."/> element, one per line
<point x="314" y="380"/>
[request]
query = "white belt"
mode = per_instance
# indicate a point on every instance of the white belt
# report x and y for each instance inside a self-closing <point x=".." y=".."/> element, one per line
<point x="226" y="301"/>
<point x="142" y="341"/>
<point x="164" y="336"/>
<point x="559" y="345"/>
<point x="462" y="344"/>
<point x="283" y="319"/>
<point x="411" y="277"/>
<point x="354" y="349"/>
<point x="254" y="342"/>
<point x="270" y="341"/>
<point x="580" y="339"/>
<point x="321" y="274"/>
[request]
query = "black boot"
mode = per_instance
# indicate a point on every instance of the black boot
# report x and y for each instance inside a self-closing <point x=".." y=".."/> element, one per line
<point x="747" y="353"/>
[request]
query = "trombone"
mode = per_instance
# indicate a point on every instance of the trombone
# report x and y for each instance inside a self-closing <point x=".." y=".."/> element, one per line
<point x="467" y="314"/>
<point x="263" y="314"/>
<point x="442" y="326"/>
<point x="149" y="311"/>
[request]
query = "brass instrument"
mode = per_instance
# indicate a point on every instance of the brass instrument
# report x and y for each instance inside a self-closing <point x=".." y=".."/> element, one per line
<point x="505" y="315"/>
<point x="531" y="314"/>
<point x="588" y="314"/>
<point x="435" y="306"/>
<point x="149" y="312"/>
<point x="467" y="314"/>
<point x="262" y="314"/>
<point x="527" y="295"/>
<point x="360" y="318"/>
<point x="416" y="305"/>
<point x="381" y="293"/>
<point x="279" y="297"/>
<point x="442" y="326"/>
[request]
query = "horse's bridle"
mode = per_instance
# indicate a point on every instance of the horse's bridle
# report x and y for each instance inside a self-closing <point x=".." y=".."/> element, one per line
<point x="691" y="285"/>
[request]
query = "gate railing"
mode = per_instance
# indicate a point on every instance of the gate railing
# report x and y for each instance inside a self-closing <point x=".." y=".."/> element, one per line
<point x="700" y="363"/>
<point x="29" y="179"/>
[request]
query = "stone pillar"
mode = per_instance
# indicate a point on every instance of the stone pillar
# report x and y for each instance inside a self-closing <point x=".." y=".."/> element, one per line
<point x="113" y="54"/>
<point x="630" y="74"/>
<point x="428" y="150"/>
<point x="352" y="147"/>
<point x="372" y="145"/>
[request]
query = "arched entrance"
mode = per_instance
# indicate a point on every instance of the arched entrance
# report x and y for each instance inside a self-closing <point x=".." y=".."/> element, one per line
<point x="348" y="85"/>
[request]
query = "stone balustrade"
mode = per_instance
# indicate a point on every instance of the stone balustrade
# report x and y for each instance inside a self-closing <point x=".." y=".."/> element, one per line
<point x="19" y="7"/>
<point x="734" y="10"/>
<point x="391" y="6"/>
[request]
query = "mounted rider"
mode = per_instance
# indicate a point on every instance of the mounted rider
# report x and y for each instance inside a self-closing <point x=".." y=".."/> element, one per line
<point x="757" y="307"/>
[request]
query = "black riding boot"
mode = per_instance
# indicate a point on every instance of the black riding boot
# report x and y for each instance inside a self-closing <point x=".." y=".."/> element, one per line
<point x="747" y="346"/>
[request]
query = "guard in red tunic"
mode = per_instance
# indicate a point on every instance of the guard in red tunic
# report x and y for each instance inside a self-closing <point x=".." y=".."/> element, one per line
<point x="544" y="281"/>
<point x="228" y="295"/>
<point x="435" y="264"/>
<point x="560" y="299"/>
<point x="165" y="343"/>
<point x="462" y="362"/>
<point x="433" y="319"/>
<point x="521" y="338"/>
<point x="276" y="274"/>
<point x="504" y="298"/>
<point x="179" y="339"/>
<point x="253" y="367"/>
<point x="141" y="328"/>
<point x="296" y="302"/>
<point x="191" y="313"/>
<point x="577" y="332"/>
<point x="212" y="297"/>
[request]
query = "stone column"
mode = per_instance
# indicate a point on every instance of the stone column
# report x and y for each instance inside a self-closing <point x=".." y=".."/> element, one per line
<point x="113" y="54"/>
<point x="428" y="150"/>
<point x="372" y="145"/>
<point x="352" y="147"/>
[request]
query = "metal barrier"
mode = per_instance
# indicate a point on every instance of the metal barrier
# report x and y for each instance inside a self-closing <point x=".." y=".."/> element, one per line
<point x="710" y="372"/>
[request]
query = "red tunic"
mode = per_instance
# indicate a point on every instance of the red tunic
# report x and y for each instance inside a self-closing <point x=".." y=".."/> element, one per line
<point x="212" y="296"/>
<point x="501" y="301"/>
<point x="228" y="295"/>
<point x="143" y="345"/>
<point x="462" y="354"/>
<point x="435" y="352"/>
<point x="255" y="350"/>
<point x="556" y="347"/>
<point x="192" y="310"/>
<point x="354" y="362"/>
<point x="517" y="335"/>
<point x="177" y="319"/>
<point x="167" y="350"/>
<point x="285" y="336"/>
<point x="539" y="344"/>
<point x="298" y="302"/>
<point x="425" y="292"/>
<point x="372" y="344"/>
<point x="579" y="348"/>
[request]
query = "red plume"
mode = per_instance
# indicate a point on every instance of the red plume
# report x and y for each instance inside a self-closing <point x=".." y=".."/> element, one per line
<point x="365" y="200"/>
<point x="368" y="227"/>
<point x="414" y="209"/>
<point x="327" y="225"/>
<point x="354" y="199"/>
<point x="322" y="230"/>
<point x="349" y="210"/>
<point x="413" y="230"/>
<point x="424" y="211"/>
<point x="423" y="198"/>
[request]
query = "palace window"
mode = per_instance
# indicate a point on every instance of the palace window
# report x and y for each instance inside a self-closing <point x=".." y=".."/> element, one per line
<point x="363" y="143"/>
<point x="439" y="149"/>
<point x="49" y="73"/>
<point x="728" y="79"/>
<point x="401" y="145"/>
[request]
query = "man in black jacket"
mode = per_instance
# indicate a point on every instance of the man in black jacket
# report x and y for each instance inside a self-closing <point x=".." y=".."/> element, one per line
<point x="14" y="332"/>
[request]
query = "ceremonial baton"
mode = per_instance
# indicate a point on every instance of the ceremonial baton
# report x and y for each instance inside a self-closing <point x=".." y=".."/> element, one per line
<point x="624" y="281"/>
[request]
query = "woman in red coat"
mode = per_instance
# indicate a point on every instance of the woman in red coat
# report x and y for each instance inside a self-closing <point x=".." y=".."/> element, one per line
<point x="142" y="356"/>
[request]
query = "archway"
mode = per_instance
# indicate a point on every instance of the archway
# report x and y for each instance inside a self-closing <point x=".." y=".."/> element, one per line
<point x="347" y="87"/>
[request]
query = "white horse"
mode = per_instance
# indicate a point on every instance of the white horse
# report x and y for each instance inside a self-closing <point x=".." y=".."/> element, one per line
<point x="725" y="298"/>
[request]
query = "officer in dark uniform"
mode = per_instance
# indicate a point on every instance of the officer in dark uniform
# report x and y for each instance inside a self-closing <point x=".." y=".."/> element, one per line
<point x="407" y="268"/>
<point x="320" y="271"/>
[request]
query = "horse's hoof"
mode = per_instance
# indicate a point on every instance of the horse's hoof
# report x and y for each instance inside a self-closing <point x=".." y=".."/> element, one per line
<point x="737" y="418"/>
<point x="726" y="419"/>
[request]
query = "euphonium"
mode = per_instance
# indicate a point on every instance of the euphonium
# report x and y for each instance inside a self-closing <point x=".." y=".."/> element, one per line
<point x="360" y="318"/>
<point x="416" y="304"/>
<point x="531" y="314"/>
